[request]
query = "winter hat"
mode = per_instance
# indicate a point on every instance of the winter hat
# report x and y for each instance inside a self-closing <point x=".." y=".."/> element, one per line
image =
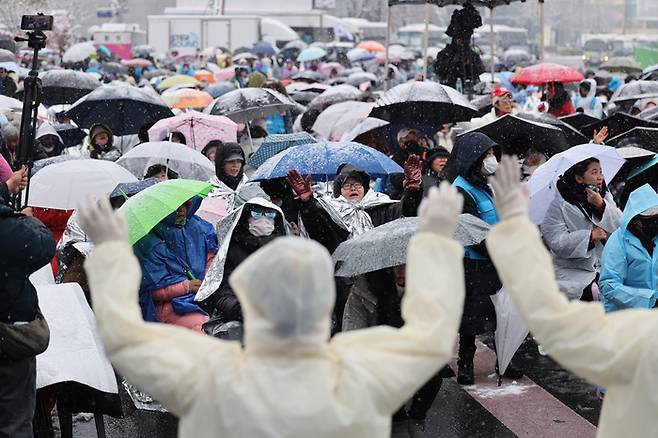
<point x="97" y="129"/>
<point x="347" y="171"/>
<point x="438" y="152"/>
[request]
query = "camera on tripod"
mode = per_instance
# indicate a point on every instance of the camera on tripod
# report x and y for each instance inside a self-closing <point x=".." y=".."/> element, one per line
<point x="37" y="22"/>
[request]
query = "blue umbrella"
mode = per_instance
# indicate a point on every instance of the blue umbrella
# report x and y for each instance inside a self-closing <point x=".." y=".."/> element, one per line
<point x="264" y="48"/>
<point x="320" y="160"/>
<point x="276" y="143"/>
<point x="219" y="89"/>
<point x="129" y="189"/>
<point x="311" y="54"/>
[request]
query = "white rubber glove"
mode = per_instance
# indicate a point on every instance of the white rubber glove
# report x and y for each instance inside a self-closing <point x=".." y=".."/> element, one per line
<point x="439" y="212"/>
<point x="510" y="194"/>
<point x="101" y="223"/>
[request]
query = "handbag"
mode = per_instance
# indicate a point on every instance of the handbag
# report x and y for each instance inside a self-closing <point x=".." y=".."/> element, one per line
<point x="24" y="340"/>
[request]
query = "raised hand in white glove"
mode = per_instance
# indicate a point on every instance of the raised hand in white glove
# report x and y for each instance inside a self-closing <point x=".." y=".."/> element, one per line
<point x="510" y="194"/>
<point x="439" y="212"/>
<point x="101" y="223"/>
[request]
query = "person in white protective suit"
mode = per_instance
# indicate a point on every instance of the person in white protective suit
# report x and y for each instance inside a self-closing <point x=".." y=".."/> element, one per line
<point x="289" y="380"/>
<point x="618" y="351"/>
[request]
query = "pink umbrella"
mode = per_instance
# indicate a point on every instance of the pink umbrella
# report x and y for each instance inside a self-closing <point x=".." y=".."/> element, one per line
<point x="136" y="62"/>
<point x="327" y="67"/>
<point x="198" y="129"/>
<point x="225" y="74"/>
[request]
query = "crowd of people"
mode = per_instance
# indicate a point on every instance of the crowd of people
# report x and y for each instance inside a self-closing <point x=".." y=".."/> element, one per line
<point x="354" y="355"/>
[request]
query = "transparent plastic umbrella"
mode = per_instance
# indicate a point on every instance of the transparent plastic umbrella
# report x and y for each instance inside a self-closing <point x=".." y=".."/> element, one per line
<point x="187" y="162"/>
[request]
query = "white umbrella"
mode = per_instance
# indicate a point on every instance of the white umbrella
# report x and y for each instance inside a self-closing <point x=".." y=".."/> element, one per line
<point x="187" y="162"/>
<point x="66" y="185"/>
<point x="542" y="183"/>
<point x="79" y="52"/>
<point x="510" y="329"/>
<point x="341" y="118"/>
<point x="366" y="125"/>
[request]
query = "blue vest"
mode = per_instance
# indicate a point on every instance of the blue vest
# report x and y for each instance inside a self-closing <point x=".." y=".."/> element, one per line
<point x="592" y="103"/>
<point x="485" y="206"/>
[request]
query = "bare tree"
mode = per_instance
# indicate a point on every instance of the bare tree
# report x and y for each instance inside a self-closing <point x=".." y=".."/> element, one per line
<point x="11" y="12"/>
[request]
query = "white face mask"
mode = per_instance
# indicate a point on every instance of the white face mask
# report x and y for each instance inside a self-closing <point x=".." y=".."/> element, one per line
<point x="489" y="166"/>
<point x="261" y="227"/>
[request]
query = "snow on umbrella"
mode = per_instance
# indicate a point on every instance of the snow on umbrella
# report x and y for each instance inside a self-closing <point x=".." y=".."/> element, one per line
<point x="264" y="48"/>
<point x="219" y="89"/>
<point x="79" y="52"/>
<point x="423" y="103"/>
<point x="617" y="124"/>
<point x="358" y="55"/>
<point x="66" y="86"/>
<point x="198" y="129"/>
<point x="10" y="103"/>
<point x="150" y="206"/>
<point x="7" y="56"/>
<point x="309" y="76"/>
<point x="371" y="46"/>
<point x="574" y="137"/>
<point x="485" y="3"/>
<point x="188" y="163"/>
<point x="185" y="98"/>
<point x="245" y="56"/>
<point x="123" y="108"/>
<point x="320" y="160"/>
<point x="386" y="245"/>
<point x="276" y="143"/>
<point x="623" y="65"/>
<point x="649" y="114"/>
<point x="517" y="135"/>
<point x="511" y="331"/>
<point x="579" y="120"/>
<point x="296" y="44"/>
<point x="327" y="67"/>
<point x="542" y="183"/>
<point x="303" y="97"/>
<point x="305" y="86"/>
<point x="336" y="94"/>
<point x="246" y="104"/>
<point x="113" y="67"/>
<point x="178" y="80"/>
<point x="311" y="54"/>
<point x="125" y="190"/>
<point x="225" y="74"/>
<point x="356" y="79"/>
<point x="366" y="126"/>
<point x="635" y="90"/>
<point x="340" y="118"/>
<point x="66" y="185"/>
<point x="137" y="63"/>
<point x="647" y="138"/>
<point x="545" y="73"/>
<point x="40" y="164"/>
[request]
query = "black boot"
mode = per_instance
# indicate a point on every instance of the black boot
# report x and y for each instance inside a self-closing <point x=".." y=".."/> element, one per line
<point x="465" y="361"/>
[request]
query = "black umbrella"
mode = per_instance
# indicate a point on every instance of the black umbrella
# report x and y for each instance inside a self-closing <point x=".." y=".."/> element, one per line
<point x="579" y="120"/>
<point x="246" y="104"/>
<point x="484" y="104"/>
<point x="617" y="125"/>
<point x="646" y="173"/>
<point x="123" y="108"/>
<point x="635" y="90"/>
<point x="573" y="136"/>
<point x="308" y="76"/>
<point x="423" y="103"/>
<point x="645" y="138"/>
<point x="66" y="86"/>
<point x="303" y="97"/>
<point x="219" y="89"/>
<point x="517" y="135"/>
<point x="71" y="135"/>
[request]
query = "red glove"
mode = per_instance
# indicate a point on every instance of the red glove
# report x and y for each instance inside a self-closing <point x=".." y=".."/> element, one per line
<point x="301" y="186"/>
<point x="412" y="173"/>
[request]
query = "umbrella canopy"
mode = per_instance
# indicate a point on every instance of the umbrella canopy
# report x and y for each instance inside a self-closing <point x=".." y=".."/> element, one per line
<point x="305" y="86"/>
<point x="187" y="162"/>
<point x="517" y="135"/>
<point x="66" y="185"/>
<point x="71" y="135"/>
<point x="371" y="46"/>
<point x="296" y="44"/>
<point x="150" y="206"/>
<point x="574" y="137"/>
<point x="225" y="74"/>
<point x="276" y="143"/>
<point x="649" y="114"/>
<point x="386" y="245"/>
<point x="246" y="104"/>
<point x="198" y="129"/>
<point x="40" y="164"/>
<point x="78" y="52"/>
<point x="311" y="54"/>
<point x="510" y="329"/>
<point x="321" y="160"/>
<point x="10" y="103"/>
<point x="178" y="80"/>
<point x="423" y="103"/>
<point x="327" y="67"/>
<point x="635" y="90"/>
<point x="130" y="189"/>
<point x="359" y="78"/>
<point x="646" y="138"/>
<point x="113" y="67"/>
<point x="137" y="63"/>
<point x="341" y="118"/>
<point x="336" y="94"/>
<point x="545" y="73"/>
<point x="542" y="183"/>
<point x="303" y="97"/>
<point x="66" y="86"/>
<point x="185" y="98"/>
<point x="264" y="48"/>
<point x="485" y="3"/>
<point x="309" y="76"/>
<point x="579" y="120"/>
<point x="617" y="125"/>
<point x="206" y="75"/>
<point x="244" y="56"/>
<point x="622" y="65"/>
<point x="646" y="173"/>
<point x="219" y="89"/>
<point x="7" y="56"/>
<point x="359" y="55"/>
<point x="366" y="126"/>
<point x="123" y="108"/>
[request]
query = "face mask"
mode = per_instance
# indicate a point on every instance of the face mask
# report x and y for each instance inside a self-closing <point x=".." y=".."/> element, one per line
<point x="489" y="166"/>
<point x="261" y="227"/>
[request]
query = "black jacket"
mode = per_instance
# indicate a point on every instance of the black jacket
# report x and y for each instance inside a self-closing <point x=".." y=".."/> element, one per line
<point x="8" y="87"/>
<point x="26" y="246"/>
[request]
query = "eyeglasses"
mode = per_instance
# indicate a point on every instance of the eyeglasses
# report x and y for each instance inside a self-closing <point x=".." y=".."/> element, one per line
<point x="259" y="214"/>
<point x="353" y="186"/>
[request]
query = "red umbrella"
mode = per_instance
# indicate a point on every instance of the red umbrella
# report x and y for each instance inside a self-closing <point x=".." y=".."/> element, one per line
<point x="544" y="73"/>
<point x="137" y="62"/>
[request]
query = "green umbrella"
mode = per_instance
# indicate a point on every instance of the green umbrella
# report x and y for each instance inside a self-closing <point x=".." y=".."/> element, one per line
<point x="148" y="207"/>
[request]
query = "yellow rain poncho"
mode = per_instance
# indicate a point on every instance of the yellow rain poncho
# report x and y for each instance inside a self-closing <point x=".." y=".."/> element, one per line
<point x="289" y="380"/>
